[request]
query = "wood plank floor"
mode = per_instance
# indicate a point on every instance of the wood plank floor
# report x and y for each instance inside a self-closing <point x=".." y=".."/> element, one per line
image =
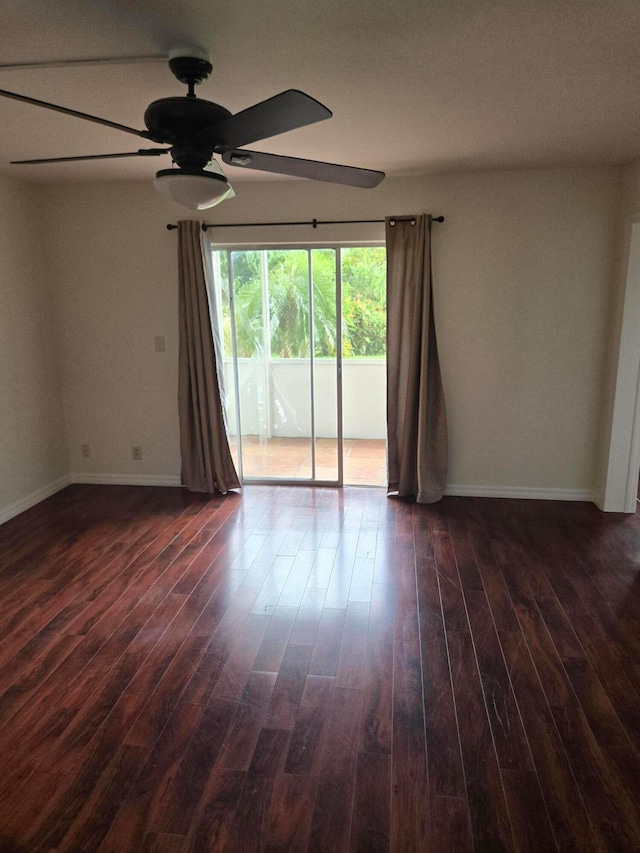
<point x="299" y="669"/>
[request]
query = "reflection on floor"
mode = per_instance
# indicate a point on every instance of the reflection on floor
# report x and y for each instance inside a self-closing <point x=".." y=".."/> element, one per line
<point x="365" y="461"/>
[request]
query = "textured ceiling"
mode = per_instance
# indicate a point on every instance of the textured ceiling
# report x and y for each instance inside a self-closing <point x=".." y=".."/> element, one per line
<point x="415" y="86"/>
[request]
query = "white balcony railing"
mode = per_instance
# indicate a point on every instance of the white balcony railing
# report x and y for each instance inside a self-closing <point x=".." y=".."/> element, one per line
<point x="275" y="397"/>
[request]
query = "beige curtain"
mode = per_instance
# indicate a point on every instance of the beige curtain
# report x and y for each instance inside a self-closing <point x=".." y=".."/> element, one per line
<point x="416" y="416"/>
<point x="207" y="465"/>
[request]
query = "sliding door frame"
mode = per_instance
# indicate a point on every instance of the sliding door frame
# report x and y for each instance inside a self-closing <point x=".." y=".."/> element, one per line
<point x="308" y="248"/>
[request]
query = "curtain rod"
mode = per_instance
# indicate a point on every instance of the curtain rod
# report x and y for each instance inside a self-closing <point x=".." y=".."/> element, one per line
<point x="312" y="222"/>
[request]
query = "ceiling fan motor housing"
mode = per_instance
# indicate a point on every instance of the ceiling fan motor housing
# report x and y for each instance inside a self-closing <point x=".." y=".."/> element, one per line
<point x="178" y="121"/>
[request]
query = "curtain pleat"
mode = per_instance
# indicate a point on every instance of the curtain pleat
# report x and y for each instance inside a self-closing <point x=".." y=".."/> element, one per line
<point x="416" y="415"/>
<point x="207" y="465"/>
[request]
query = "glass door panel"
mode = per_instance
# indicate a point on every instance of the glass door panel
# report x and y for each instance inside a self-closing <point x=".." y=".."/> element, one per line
<point x="221" y="294"/>
<point x="326" y="349"/>
<point x="266" y="301"/>
<point x="287" y="312"/>
<point x="363" y="282"/>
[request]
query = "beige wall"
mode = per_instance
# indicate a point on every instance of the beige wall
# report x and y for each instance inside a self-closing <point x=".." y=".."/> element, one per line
<point x="33" y="459"/>
<point x="523" y="268"/>
<point x="116" y="289"/>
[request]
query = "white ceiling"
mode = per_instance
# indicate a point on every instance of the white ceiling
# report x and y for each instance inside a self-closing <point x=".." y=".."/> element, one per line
<point x="414" y="85"/>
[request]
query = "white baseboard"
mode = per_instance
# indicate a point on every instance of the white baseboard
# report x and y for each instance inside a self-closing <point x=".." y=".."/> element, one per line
<point x="523" y="492"/>
<point x="34" y="498"/>
<point x="125" y="479"/>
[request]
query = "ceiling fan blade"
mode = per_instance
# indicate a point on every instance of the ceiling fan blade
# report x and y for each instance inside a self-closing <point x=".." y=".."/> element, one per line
<point x="5" y="94"/>
<point x="279" y="114"/>
<point x="141" y="152"/>
<point x="315" y="170"/>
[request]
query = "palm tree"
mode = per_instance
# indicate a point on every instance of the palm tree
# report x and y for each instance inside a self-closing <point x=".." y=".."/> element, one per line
<point x="287" y="271"/>
<point x="289" y="303"/>
<point x="288" y="290"/>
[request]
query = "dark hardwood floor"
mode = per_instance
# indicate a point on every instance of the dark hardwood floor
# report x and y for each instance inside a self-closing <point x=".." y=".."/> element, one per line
<point x="300" y="669"/>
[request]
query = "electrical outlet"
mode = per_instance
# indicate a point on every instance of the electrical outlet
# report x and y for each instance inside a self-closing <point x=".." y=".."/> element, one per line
<point x="159" y="343"/>
<point x="85" y="451"/>
<point x="136" y="452"/>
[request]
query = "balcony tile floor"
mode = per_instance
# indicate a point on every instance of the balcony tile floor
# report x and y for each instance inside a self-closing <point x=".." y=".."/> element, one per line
<point x="365" y="462"/>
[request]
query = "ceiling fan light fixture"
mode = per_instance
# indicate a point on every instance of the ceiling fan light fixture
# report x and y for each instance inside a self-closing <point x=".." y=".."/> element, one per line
<point x="192" y="188"/>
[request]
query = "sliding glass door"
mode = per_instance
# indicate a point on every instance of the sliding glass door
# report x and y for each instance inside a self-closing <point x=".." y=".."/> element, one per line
<point x="282" y="347"/>
<point x="304" y="334"/>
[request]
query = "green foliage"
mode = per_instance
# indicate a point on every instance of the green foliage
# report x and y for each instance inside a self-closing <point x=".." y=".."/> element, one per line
<point x="287" y="272"/>
<point x="364" y="301"/>
<point x="366" y="327"/>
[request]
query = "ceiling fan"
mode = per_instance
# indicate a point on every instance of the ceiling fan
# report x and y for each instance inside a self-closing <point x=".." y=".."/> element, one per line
<point x="195" y="130"/>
